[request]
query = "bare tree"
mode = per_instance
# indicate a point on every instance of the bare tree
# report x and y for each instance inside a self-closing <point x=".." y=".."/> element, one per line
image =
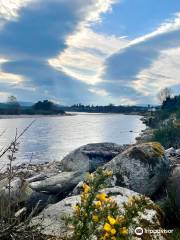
<point x="164" y="94"/>
<point x="12" y="100"/>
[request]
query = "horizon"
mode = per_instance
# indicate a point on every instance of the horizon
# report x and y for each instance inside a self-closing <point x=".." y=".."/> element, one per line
<point x="89" y="52"/>
<point x="29" y="103"/>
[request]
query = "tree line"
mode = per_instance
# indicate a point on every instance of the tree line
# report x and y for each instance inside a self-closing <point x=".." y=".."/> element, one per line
<point x="13" y="107"/>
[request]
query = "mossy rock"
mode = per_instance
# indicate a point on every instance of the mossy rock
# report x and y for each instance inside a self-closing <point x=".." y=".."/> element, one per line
<point x="142" y="168"/>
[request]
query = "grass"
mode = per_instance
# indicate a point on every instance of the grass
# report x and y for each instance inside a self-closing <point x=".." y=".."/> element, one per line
<point x="168" y="136"/>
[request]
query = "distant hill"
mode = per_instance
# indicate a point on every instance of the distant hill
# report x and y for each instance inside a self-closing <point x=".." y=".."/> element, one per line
<point x="26" y="104"/>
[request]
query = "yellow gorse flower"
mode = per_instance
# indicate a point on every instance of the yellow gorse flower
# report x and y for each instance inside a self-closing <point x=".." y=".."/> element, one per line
<point x="111" y="220"/>
<point x="123" y="231"/>
<point x="108" y="173"/>
<point x="77" y="209"/>
<point x="95" y="218"/>
<point x="106" y="236"/>
<point x="91" y="176"/>
<point x="113" y="231"/>
<point x="98" y="204"/>
<point x="102" y="197"/>
<point x="107" y="227"/>
<point x="113" y="238"/>
<point x="86" y="188"/>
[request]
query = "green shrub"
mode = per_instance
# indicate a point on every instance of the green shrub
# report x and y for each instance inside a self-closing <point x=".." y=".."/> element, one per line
<point x="178" y="114"/>
<point x="168" y="136"/>
<point x="176" y="234"/>
<point x="98" y="216"/>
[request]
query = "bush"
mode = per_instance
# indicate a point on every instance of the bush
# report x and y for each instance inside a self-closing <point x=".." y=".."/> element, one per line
<point x="176" y="234"/>
<point x="97" y="216"/>
<point x="178" y="114"/>
<point x="168" y="136"/>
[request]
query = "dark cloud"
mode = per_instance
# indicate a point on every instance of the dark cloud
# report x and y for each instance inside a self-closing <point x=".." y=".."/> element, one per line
<point x="49" y="82"/>
<point x="38" y="35"/>
<point x="41" y="29"/>
<point x="125" y="65"/>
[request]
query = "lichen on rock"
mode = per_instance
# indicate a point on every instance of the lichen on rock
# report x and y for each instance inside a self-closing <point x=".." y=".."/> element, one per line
<point x="142" y="168"/>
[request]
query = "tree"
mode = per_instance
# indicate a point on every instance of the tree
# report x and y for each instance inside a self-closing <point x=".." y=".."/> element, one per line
<point x="44" y="106"/>
<point x="12" y="100"/>
<point x="13" y="105"/>
<point x="164" y="94"/>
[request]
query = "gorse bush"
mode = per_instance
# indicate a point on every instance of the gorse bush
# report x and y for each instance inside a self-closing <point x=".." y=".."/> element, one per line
<point x="98" y="216"/>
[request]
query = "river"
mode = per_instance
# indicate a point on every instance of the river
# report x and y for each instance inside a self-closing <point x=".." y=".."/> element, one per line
<point x="51" y="138"/>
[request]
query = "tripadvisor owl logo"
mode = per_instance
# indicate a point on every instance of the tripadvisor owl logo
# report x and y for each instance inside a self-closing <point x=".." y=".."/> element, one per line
<point x="139" y="231"/>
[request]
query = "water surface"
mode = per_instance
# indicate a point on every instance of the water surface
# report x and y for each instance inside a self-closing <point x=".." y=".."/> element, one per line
<point x="51" y="138"/>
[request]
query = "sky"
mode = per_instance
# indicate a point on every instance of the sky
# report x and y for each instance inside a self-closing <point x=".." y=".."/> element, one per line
<point x="89" y="51"/>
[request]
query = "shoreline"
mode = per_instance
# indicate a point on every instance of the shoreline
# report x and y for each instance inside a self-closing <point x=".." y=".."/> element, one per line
<point x="64" y="115"/>
<point x="34" y="116"/>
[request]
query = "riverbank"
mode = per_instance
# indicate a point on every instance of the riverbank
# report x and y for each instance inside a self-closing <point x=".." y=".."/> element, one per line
<point x="57" y="185"/>
<point x="34" y="116"/>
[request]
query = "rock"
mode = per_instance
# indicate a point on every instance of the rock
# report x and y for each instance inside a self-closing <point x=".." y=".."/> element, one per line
<point x="40" y="201"/>
<point x="60" y="183"/>
<point x="20" y="192"/>
<point x="36" y="178"/>
<point x="170" y="151"/>
<point x="90" y="156"/>
<point x="178" y="152"/>
<point x="173" y="189"/>
<point x="51" y="218"/>
<point x="52" y="222"/>
<point x="145" y="136"/>
<point x="142" y="168"/>
<point x="28" y="171"/>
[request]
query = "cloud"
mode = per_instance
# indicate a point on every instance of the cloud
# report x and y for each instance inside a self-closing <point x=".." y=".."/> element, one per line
<point x="146" y="63"/>
<point x="86" y="52"/>
<point x="38" y="31"/>
<point x="125" y="101"/>
<point x="100" y="92"/>
<point x="9" y="10"/>
<point x="44" y="30"/>
<point x="50" y="49"/>
<point x="8" y="77"/>
<point x="163" y="72"/>
<point x="4" y="96"/>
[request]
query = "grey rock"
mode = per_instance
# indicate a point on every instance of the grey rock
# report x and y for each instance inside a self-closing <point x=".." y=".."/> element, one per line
<point x="173" y="189"/>
<point x="36" y="178"/>
<point x="91" y="156"/>
<point x="60" y="183"/>
<point x="51" y="218"/>
<point x="20" y="192"/>
<point x="178" y="152"/>
<point x="39" y="201"/>
<point x="170" y="151"/>
<point x="52" y="221"/>
<point x="142" y="168"/>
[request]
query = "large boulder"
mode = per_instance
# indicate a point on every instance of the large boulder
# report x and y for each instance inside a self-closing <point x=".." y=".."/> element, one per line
<point x="91" y="156"/>
<point x="59" y="184"/>
<point x="173" y="188"/>
<point x="52" y="221"/>
<point x="142" y="168"/>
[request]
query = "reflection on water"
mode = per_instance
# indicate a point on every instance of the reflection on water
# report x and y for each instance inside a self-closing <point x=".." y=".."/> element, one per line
<point x="50" y="138"/>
